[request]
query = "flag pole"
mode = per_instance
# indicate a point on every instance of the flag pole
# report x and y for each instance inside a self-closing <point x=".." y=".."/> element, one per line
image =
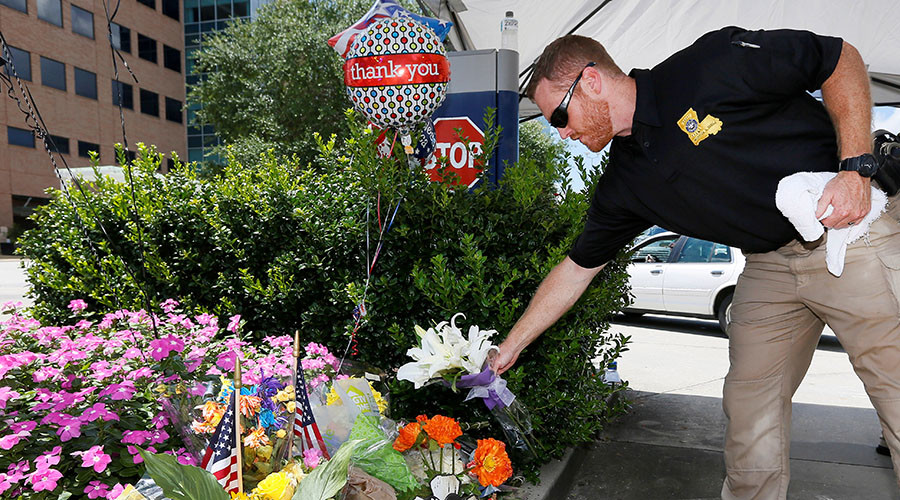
<point x="237" y="420"/>
<point x="295" y="367"/>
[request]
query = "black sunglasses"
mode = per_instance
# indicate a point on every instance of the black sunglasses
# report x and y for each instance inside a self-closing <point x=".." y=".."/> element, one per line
<point x="560" y="116"/>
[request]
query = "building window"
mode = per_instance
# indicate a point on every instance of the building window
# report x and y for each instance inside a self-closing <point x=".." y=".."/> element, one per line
<point x="20" y="137"/>
<point x="61" y="143"/>
<point x="85" y="83"/>
<point x="21" y="59"/>
<point x="170" y="8"/>
<point x="82" y="22"/>
<point x="146" y="48"/>
<point x="149" y="103"/>
<point x="53" y="73"/>
<point x="50" y="11"/>
<point x="84" y="149"/>
<point x="125" y="91"/>
<point x="172" y="58"/>
<point x="241" y="8"/>
<point x="121" y="38"/>
<point x="173" y="110"/>
<point x="16" y="4"/>
<point x="148" y="3"/>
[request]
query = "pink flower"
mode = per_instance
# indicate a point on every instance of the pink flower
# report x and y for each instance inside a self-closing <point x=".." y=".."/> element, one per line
<point x="158" y="436"/>
<point x="28" y="425"/>
<point x="5" y="483"/>
<point x="226" y="360"/>
<point x="48" y="459"/>
<point x="77" y="305"/>
<point x="162" y="347"/>
<point x="94" y="457"/>
<point x="10" y="440"/>
<point x="44" y="373"/>
<point x="45" y="479"/>
<point x="142" y="372"/>
<point x="116" y="492"/>
<point x="96" y="489"/>
<point x="98" y="411"/>
<point x="83" y="324"/>
<point x="135" y="437"/>
<point x="137" y="458"/>
<point x="118" y="392"/>
<point x="160" y="420"/>
<point x="6" y="394"/>
<point x="311" y="457"/>
<point x="69" y="429"/>
<point x="16" y="471"/>
<point x="204" y="319"/>
<point x="234" y="323"/>
<point x="131" y="353"/>
<point x="169" y="305"/>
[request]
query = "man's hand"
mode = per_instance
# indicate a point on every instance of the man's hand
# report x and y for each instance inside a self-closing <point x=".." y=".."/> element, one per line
<point x="506" y="358"/>
<point x="851" y="196"/>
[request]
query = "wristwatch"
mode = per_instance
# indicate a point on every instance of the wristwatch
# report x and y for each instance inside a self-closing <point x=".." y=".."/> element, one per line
<point x="864" y="164"/>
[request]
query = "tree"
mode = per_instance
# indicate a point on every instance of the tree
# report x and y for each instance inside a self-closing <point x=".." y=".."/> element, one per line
<point x="272" y="82"/>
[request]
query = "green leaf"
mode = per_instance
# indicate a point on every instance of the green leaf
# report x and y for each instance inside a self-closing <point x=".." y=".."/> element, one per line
<point x="326" y="480"/>
<point x="181" y="482"/>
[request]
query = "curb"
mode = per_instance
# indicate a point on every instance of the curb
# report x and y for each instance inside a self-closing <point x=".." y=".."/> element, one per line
<point x="557" y="477"/>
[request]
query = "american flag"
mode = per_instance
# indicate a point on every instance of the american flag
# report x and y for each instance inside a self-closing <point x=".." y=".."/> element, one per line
<point x="305" y="426"/>
<point x="221" y="455"/>
<point x="380" y="10"/>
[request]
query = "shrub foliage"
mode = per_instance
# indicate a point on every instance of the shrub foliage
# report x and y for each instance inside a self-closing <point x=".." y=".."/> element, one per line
<point x="285" y="245"/>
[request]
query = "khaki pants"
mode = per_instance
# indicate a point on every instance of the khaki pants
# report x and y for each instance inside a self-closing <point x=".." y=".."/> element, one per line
<point x="782" y="302"/>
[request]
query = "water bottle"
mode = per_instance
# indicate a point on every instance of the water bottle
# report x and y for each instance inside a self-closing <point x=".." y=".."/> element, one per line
<point x="509" y="32"/>
<point x="610" y="375"/>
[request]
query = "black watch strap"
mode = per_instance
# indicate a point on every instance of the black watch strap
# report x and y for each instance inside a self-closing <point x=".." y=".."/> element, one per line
<point x="865" y="165"/>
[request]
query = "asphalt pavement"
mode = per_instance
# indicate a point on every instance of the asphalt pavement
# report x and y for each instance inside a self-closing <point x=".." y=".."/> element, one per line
<point x="669" y="446"/>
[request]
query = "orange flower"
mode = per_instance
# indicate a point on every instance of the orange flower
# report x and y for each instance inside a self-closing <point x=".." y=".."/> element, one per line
<point x="492" y="464"/>
<point x="442" y="429"/>
<point x="256" y="438"/>
<point x="407" y="438"/>
<point x="250" y="406"/>
<point x="422" y="419"/>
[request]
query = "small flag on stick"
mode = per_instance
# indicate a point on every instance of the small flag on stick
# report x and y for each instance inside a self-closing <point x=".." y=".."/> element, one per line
<point x="221" y="457"/>
<point x="305" y="426"/>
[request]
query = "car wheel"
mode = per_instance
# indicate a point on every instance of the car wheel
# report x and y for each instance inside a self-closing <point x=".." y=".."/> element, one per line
<point x="725" y="313"/>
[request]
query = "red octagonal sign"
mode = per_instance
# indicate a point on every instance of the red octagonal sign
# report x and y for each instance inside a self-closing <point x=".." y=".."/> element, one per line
<point x="460" y="159"/>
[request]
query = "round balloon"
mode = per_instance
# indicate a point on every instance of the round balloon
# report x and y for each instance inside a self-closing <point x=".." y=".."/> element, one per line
<point x="396" y="73"/>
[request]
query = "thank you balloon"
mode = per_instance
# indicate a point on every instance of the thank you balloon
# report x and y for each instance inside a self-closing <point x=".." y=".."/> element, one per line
<point x="396" y="74"/>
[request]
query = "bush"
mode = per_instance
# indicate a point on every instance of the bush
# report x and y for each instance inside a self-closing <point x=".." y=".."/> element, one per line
<point x="285" y="246"/>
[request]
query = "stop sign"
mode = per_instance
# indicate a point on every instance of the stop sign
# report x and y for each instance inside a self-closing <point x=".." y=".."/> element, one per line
<point x="460" y="159"/>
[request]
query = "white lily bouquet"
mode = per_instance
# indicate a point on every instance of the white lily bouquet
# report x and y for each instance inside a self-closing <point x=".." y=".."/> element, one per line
<point x="446" y="356"/>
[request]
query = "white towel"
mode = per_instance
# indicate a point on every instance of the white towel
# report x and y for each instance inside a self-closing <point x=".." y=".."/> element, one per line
<point x="797" y="197"/>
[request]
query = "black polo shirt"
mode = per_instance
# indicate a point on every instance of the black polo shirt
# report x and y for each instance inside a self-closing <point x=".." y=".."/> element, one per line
<point x="748" y="92"/>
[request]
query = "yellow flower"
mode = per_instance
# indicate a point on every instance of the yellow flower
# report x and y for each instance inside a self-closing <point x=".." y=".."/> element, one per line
<point x="333" y="397"/>
<point x="239" y="496"/>
<point x="379" y="400"/>
<point x="295" y="471"/>
<point x="286" y="394"/>
<point x="280" y="434"/>
<point x="291" y="406"/>
<point x="275" y="486"/>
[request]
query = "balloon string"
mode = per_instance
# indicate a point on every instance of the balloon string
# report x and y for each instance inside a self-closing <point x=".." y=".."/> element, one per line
<point x="394" y="141"/>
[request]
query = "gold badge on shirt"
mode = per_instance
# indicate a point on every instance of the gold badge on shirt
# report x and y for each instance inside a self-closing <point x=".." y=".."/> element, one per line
<point x="698" y="130"/>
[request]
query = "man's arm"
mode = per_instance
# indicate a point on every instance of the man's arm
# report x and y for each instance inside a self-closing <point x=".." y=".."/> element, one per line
<point x="847" y="99"/>
<point x="558" y="292"/>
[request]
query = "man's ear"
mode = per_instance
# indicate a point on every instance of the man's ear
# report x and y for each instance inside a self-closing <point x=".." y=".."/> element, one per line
<point x="593" y="81"/>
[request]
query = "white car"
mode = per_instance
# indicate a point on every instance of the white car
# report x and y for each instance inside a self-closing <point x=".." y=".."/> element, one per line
<point x="683" y="276"/>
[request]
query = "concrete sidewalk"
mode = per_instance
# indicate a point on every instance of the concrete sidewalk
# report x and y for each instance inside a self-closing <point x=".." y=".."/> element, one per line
<point x="670" y="447"/>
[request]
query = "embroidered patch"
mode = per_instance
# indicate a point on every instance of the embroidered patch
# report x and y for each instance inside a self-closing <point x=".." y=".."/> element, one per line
<point x="699" y="130"/>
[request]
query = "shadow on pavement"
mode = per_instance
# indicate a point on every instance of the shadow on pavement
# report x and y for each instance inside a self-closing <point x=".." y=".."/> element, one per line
<point x="670" y="447"/>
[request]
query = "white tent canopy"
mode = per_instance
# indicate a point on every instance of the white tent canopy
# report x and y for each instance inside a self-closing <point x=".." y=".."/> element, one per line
<point x="642" y="33"/>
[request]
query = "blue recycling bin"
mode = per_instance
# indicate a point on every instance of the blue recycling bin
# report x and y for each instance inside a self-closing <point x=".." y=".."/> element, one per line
<point x="481" y="79"/>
